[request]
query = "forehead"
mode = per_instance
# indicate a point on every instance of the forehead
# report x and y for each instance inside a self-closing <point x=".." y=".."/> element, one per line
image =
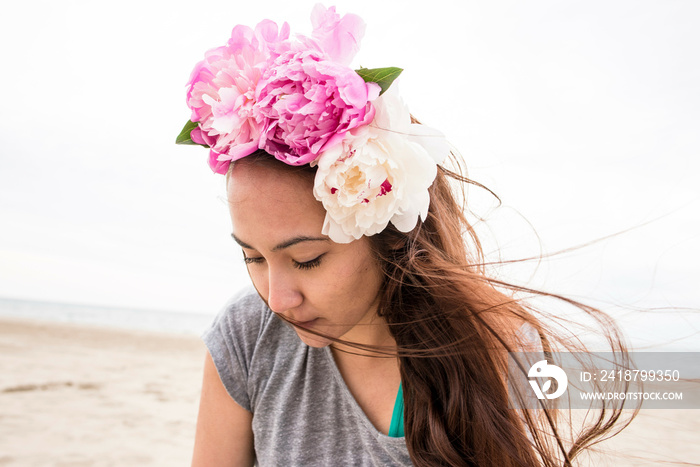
<point x="269" y="202"/>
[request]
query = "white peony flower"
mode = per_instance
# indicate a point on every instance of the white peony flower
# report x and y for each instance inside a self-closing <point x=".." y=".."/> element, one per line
<point x="379" y="174"/>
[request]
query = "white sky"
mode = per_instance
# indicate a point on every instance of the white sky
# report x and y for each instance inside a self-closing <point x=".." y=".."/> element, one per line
<point x="584" y="116"/>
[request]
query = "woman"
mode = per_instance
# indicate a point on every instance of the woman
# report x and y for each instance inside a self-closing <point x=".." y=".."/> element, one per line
<point x="373" y="335"/>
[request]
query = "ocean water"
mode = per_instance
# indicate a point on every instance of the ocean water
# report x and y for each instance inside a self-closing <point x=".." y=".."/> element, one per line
<point x="95" y="315"/>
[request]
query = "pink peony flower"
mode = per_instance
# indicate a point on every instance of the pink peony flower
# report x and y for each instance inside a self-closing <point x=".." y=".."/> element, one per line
<point x="222" y="92"/>
<point x="309" y="102"/>
<point x="338" y="37"/>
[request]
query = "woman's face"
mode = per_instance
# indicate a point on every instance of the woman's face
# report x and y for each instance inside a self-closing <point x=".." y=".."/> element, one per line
<point x="328" y="287"/>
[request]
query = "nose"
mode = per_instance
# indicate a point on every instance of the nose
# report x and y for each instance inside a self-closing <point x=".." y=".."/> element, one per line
<point x="283" y="293"/>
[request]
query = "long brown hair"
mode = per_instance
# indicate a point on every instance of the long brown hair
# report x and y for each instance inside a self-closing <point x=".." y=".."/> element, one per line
<point x="453" y="326"/>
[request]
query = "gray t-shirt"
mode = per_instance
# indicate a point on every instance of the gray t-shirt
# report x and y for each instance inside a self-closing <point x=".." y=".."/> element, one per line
<point x="303" y="413"/>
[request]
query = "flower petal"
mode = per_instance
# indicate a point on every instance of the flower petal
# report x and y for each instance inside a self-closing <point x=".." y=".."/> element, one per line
<point x="338" y="37"/>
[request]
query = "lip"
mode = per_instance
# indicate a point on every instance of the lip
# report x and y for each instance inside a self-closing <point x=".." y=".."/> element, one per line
<point x="306" y="324"/>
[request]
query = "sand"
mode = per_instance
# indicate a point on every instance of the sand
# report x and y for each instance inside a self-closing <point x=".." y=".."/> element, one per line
<point x="80" y="396"/>
<point x="84" y="396"/>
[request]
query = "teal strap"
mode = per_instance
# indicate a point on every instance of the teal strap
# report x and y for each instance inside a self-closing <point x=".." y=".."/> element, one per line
<point x="396" y="427"/>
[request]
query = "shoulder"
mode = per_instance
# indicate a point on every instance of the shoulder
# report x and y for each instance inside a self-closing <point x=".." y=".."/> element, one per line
<point x="234" y="341"/>
<point x="238" y="327"/>
<point x="246" y="301"/>
<point x="244" y="322"/>
<point x="244" y="310"/>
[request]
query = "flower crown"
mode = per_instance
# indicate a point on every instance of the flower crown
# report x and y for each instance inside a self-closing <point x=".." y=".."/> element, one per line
<point x="298" y="100"/>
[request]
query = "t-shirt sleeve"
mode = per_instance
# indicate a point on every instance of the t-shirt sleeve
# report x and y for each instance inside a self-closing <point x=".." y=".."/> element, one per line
<point x="232" y="339"/>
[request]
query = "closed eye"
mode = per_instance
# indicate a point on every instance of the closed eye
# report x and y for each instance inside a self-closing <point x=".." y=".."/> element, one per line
<point x="251" y="260"/>
<point x="309" y="264"/>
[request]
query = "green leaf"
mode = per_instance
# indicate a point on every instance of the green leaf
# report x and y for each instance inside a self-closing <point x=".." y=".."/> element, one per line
<point x="382" y="76"/>
<point x="184" y="136"/>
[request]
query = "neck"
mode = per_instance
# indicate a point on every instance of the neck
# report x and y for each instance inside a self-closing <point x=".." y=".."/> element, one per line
<point x="373" y="339"/>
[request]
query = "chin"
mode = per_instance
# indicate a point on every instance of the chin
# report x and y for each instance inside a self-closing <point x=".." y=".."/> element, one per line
<point x="313" y="340"/>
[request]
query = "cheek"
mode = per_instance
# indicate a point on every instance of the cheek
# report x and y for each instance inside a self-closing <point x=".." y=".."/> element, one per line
<point x="372" y="278"/>
<point x="362" y="279"/>
<point x="259" y="279"/>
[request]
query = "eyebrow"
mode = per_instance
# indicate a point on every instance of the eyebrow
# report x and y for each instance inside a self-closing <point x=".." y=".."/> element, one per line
<point x="286" y="243"/>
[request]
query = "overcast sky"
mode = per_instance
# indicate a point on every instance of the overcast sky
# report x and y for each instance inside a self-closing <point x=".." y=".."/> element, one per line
<point x="584" y="116"/>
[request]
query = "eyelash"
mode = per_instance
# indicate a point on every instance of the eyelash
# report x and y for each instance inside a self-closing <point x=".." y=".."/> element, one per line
<point x="308" y="264"/>
<point x="303" y="266"/>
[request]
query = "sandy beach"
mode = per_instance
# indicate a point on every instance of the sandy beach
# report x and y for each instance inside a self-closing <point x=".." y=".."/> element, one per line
<point x="86" y="396"/>
<point x="82" y="396"/>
